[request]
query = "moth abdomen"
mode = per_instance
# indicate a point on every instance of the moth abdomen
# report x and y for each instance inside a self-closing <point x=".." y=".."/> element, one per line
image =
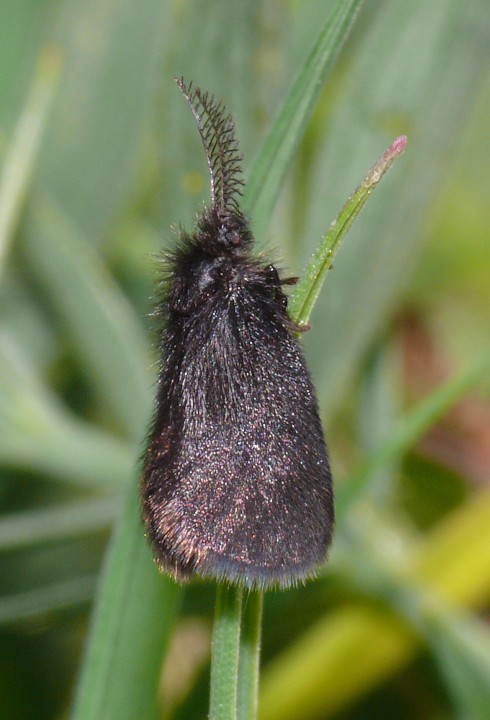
<point x="236" y="483"/>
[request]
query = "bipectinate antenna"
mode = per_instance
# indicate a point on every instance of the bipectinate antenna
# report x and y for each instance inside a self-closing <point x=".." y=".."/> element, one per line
<point x="217" y="132"/>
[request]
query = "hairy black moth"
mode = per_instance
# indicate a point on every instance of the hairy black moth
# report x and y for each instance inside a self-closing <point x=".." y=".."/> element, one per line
<point x="236" y="482"/>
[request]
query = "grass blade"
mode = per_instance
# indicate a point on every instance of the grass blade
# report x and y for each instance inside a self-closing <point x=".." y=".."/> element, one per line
<point x="452" y="562"/>
<point x="19" y="163"/>
<point x="37" y="432"/>
<point x="248" y="670"/>
<point x="308" y="288"/>
<point x="97" y="317"/>
<point x="461" y="646"/>
<point x="33" y="604"/>
<point x="225" y="653"/>
<point x="412" y="427"/>
<point x="288" y="128"/>
<point x="47" y="525"/>
<point x="121" y="670"/>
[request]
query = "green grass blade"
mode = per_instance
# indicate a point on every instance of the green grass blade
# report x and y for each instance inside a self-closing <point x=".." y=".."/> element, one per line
<point x="225" y="653"/>
<point x="308" y="288"/>
<point x="109" y="80"/>
<point x="38" y="433"/>
<point x="248" y="670"/>
<point x="288" y="128"/>
<point x="461" y="646"/>
<point x="452" y="561"/>
<point x="34" y="604"/>
<point x="411" y="428"/>
<point x="132" y="621"/>
<point x="412" y="71"/>
<point x="20" y="160"/>
<point x="55" y="524"/>
<point x="96" y="316"/>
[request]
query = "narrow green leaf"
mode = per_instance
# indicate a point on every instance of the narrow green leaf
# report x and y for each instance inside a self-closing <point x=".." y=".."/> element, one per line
<point x="288" y="128"/>
<point x="47" y="525"/>
<point x="34" y="604"/>
<point x="225" y="653"/>
<point x="411" y="428"/>
<point x="132" y="621"/>
<point x="38" y="433"/>
<point x="20" y="159"/>
<point x="414" y="70"/>
<point x="308" y="288"/>
<point x="96" y="316"/>
<point x="111" y="52"/>
<point x="249" y="663"/>
<point x="461" y="647"/>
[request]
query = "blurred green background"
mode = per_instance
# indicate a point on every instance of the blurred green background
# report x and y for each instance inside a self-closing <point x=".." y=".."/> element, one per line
<point x="99" y="158"/>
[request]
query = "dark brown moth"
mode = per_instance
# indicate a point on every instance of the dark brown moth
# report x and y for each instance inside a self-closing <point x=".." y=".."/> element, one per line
<point x="236" y="482"/>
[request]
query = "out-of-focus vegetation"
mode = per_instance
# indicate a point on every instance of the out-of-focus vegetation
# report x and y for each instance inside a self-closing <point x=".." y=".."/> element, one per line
<point x="98" y="158"/>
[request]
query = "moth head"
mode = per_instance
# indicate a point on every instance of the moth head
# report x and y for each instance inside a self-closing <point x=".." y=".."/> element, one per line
<point x="224" y="233"/>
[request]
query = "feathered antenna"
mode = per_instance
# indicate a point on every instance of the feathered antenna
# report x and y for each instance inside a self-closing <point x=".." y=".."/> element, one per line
<point x="217" y="132"/>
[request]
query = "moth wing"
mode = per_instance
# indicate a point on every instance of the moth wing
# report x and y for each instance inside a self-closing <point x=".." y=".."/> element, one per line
<point x="243" y="490"/>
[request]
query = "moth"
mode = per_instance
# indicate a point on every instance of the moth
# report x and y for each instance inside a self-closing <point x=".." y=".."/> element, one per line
<point x="236" y="482"/>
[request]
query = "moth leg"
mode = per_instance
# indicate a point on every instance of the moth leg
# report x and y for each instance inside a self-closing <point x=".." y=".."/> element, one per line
<point x="274" y="281"/>
<point x="281" y="298"/>
<point x="272" y="275"/>
<point x="302" y="328"/>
